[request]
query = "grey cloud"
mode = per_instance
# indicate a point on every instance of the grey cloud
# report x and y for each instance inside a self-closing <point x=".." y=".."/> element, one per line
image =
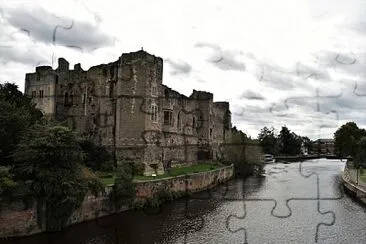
<point x="45" y="27"/>
<point x="30" y="56"/>
<point x="346" y="58"/>
<point x="179" y="67"/>
<point x="276" y="78"/>
<point x="251" y="95"/>
<point x="360" y="88"/>
<point x="253" y="115"/>
<point x="319" y="70"/>
<point x="224" y="59"/>
<point x="334" y="107"/>
<point x="242" y="110"/>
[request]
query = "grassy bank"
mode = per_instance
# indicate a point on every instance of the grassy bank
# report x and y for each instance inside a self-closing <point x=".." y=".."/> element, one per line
<point x="109" y="177"/>
<point x="363" y="175"/>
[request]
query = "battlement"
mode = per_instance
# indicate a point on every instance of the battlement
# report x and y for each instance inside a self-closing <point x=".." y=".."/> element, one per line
<point x="43" y="69"/>
<point x="63" y="64"/>
<point x="140" y="55"/>
<point x="222" y="105"/>
<point x="201" y="95"/>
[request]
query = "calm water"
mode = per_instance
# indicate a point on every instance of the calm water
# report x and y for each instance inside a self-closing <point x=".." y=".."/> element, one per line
<point x="293" y="203"/>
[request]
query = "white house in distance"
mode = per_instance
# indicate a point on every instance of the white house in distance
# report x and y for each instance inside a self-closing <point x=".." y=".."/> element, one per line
<point x="303" y="149"/>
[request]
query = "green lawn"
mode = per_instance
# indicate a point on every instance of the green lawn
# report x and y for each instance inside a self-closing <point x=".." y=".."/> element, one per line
<point x="182" y="171"/>
<point x="108" y="178"/>
<point x="363" y="175"/>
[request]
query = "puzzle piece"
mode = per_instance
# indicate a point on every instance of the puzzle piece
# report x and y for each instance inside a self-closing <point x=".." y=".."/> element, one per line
<point x="326" y="177"/>
<point x="278" y="208"/>
<point x="284" y="177"/>
<point x="296" y="228"/>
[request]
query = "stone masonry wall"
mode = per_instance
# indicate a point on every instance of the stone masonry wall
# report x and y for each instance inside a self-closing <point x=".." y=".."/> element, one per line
<point x="19" y="217"/>
<point x="113" y="105"/>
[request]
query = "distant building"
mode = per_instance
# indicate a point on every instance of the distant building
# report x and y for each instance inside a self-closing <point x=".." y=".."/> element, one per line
<point x="304" y="149"/>
<point x="124" y="106"/>
<point x="324" y="146"/>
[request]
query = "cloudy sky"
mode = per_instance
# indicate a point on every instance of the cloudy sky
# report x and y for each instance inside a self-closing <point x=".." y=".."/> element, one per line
<point x="296" y="63"/>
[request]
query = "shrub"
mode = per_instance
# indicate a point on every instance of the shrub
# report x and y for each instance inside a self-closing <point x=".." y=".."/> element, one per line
<point x="7" y="183"/>
<point x="123" y="191"/>
<point x="96" y="157"/>
<point x="94" y="183"/>
<point x="138" y="169"/>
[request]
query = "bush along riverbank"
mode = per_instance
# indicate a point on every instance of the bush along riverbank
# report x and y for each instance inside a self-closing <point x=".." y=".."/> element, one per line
<point x="20" y="219"/>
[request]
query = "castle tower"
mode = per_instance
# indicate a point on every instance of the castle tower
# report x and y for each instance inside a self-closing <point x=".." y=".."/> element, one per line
<point x="139" y="115"/>
<point x="41" y="87"/>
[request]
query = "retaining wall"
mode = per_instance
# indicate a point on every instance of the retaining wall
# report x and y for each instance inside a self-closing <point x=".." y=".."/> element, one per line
<point x="19" y="217"/>
<point x="357" y="191"/>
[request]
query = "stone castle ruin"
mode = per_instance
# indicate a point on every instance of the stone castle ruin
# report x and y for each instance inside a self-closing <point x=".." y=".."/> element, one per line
<point x="124" y="106"/>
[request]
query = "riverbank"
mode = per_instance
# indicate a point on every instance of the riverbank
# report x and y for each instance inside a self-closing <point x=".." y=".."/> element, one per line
<point x="198" y="219"/>
<point x="23" y="217"/>
<point x="351" y="183"/>
<point x="285" y="159"/>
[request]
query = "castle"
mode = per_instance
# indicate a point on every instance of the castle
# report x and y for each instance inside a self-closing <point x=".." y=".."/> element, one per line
<point x="124" y="106"/>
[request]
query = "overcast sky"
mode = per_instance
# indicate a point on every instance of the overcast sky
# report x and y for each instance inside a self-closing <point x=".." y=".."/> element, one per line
<point x="299" y="63"/>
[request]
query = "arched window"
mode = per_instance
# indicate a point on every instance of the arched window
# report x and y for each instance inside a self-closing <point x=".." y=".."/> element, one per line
<point x="179" y="123"/>
<point x="194" y="122"/>
<point x="71" y="99"/>
<point x="166" y="94"/>
<point x="66" y="98"/>
<point x="154" y="113"/>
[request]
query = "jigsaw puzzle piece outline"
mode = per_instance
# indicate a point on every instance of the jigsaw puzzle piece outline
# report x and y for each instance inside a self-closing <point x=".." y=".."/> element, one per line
<point x="244" y="220"/>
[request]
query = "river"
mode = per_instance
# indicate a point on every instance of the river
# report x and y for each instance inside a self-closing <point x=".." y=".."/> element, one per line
<point x="292" y="203"/>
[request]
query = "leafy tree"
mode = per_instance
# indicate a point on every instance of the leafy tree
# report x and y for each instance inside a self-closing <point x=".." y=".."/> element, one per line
<point x="48" y="159"/>
<point x="123" y="189"/>
<point x="307" y="142"/>
<point x="286" y="139"/>
<point x="17" y="113"/>
<point x="96" y="157"/>
<point x="360" y="157"/>
<point x="268" y="141"/>
<point x="346" y="139"/>
<point x="289" y="142"/>
<point x="7" y="184"/>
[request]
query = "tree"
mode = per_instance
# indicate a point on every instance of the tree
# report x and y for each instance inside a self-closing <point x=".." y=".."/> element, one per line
<point x="7" y="183"/>
<point x="346" y="139"/>
<point x="123" y="191"/>
<point x="289" y="142"/>
<point x="268" y="140"/>
<point x="360" y="157"/>
<point x="48" y="160"/>
<point x="307" y="142"/>
<point x="96" y="157"/>
<point x="17" y="113"/>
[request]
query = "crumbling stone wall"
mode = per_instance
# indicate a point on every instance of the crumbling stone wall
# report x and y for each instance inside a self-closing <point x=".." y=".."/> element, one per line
<point x="20" y="217"/>
<point x="124" y="106"/>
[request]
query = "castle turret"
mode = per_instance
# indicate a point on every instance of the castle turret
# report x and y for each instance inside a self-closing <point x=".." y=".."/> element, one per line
<point x="40" y="86"/>
<point x="63" y="65"/>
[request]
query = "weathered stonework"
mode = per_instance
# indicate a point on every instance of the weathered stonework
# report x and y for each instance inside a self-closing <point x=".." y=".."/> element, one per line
<point x="20" y="218"/>
<point x="124" y="106"/>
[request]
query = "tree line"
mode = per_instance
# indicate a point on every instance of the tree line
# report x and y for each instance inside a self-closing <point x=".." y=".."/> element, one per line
<point x="283" y="143"/>
<point x="349" y="142"/>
